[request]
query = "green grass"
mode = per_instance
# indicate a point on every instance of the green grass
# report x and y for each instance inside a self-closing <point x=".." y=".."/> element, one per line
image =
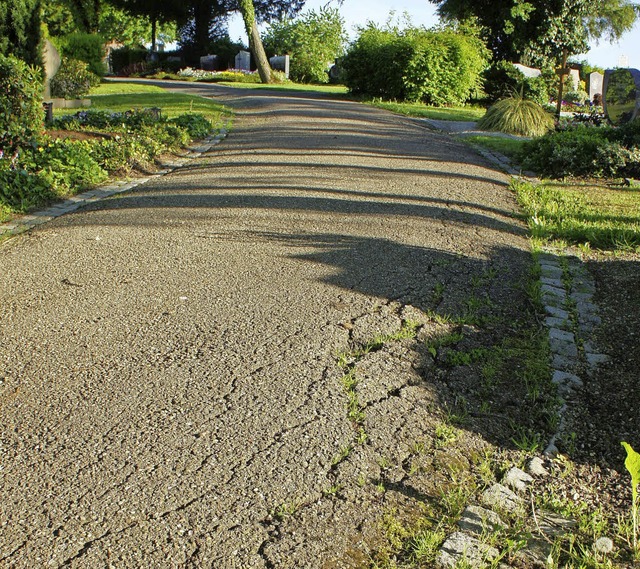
<point x="589" y="215"/>
<point x="119" y="97"/>
<point x="510" y="147"/>
<point x="438" y="113"/>
<point x="320" y="89"/>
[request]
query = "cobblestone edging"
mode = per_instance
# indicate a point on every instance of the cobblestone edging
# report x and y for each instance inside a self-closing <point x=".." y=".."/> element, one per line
<point x="27" y="222"/>
<point x="571" y="317"/>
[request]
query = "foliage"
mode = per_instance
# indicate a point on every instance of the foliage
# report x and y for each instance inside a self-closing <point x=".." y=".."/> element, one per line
<point x="585" y="151"/>
<point x="313" y="41"/>
<point x="515" y="115"/>
<point x="73" y="80"/>
<point x="20" y="33"/>
<point x="632" y="464"/>
<point x="503" y="79"/>
<point x="596" y="216"/>
<point x="21" y="116"/>
<point x="84" y="47"/>
<point x="534" y="31"/>
<point x="125" y="56"/>
<point x="196" y="125"/>
<point x="436" y="67"/>
<point x="449" y="113"/>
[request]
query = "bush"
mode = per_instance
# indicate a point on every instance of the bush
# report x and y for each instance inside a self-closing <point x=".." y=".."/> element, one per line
<point x="503" y="79"/>
<point x="434" y="67"/>
<point x="196" y="125"/>
<point x="127" y="56"/>
<point x="73" y="80"/>
<point x="85" y="47"/>
<point x="515" y="115"/>
<point x="313" y="41"/>
<point x="21" y="114"/>
<point x="583" y="151"/>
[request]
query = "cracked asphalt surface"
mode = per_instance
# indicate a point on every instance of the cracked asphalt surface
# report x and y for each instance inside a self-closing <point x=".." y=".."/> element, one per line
<point x="170" y="394"/>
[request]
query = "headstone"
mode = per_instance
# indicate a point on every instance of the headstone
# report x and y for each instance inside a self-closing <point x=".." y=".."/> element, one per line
<point x="280" y="63"/>
<point x="243" y="60"/>
<point x="574" y="75"/>
<point x="595" y="85"/>
<point x="51" y="65"/>
<point x="621" y="95"/>
<point x="209" y="62"/>
<point x="530" y="72"/>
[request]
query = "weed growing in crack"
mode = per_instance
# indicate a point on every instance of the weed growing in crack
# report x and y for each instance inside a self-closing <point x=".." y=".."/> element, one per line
<point x="526" y="440"/>
<point x="445" y="435"/>
<point x="285" y="510"/>
<point x="424" y="546"/>
<point x="343" y="453"/>
<point x="333" y="490"/>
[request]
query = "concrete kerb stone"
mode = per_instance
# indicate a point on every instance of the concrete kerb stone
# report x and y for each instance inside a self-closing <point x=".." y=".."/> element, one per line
<point x="27" y="222"/>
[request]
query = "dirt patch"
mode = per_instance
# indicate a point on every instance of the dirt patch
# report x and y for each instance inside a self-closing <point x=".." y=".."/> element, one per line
<point x="80" y="135"/>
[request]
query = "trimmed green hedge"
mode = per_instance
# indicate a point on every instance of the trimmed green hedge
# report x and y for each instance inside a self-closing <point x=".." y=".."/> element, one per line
<point x="435" y="67"/>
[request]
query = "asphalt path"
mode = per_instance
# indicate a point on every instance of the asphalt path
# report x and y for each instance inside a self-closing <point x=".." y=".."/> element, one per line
<point x="169" y="388"/>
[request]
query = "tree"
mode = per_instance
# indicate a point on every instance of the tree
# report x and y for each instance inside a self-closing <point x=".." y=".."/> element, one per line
<point x="20" y="33"/>
<point x="540" y="31"/>
<point x="313" y="41"/>
<point x="255" y="41"/>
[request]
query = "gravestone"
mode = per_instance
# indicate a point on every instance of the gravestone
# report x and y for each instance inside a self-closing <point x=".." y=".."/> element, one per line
<point x="51" y="65"/>
<point x="243" y="60"/>
<point x="280" y="63"/>
<point x="621" y="95"/>
<point x="530" y="72"/>
<point x="209" y="62"/>
<point x="574" y="74"/>
<point x="595" y="85"/>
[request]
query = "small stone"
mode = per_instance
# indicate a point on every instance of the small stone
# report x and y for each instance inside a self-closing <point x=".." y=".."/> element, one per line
<point x="561" y="335"/>
<point x="566" y="382"/>
<point x="551" y="451"/>
<point x="535" y="467"/>
<point x="517" y="480"/>
<point x="603" y="545"/>
<point x="499" y="496"/>
<point x="554" y="525"/>
<point x="462" y="548"/>
<point x="557" y="312"/>
<point x="553" y="322"/>
<point x="562" y="348"/>
<point x="596" y="359"/>
<point x="478" y="520"/>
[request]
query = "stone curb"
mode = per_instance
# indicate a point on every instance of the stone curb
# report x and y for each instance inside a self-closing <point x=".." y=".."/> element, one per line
<point x="29" y="221"/>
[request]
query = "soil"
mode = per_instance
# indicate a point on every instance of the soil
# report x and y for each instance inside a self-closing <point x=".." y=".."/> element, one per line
<point x="607" y="411"/>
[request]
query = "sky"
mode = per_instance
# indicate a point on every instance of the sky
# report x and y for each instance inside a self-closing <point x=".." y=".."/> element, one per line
<point x="422" y="12"/>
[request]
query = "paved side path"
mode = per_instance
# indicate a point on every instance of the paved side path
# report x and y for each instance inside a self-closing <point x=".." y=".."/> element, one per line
<point x="169" y="394"/>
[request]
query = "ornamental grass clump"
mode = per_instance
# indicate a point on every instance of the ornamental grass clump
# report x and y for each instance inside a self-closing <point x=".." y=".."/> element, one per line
<point x="515" y="115"/>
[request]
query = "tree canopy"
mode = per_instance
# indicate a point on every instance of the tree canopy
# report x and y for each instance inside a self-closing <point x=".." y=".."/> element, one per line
<point x="537" y="31"/>
<point x="20" y="34"/>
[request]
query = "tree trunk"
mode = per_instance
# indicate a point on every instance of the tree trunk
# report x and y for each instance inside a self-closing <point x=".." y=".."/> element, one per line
<point x="255" y="42"/>
<point x="154" y="23"/>
<point x="562" y="74"/>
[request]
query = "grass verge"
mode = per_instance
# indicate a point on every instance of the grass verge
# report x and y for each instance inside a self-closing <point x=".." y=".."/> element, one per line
<point x="590" y="216"/>
<point x="510" y="147"/>
<point x="421" y="110"/>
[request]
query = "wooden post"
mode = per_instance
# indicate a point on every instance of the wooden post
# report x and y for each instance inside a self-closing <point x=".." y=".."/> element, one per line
<point x="562" y="73"/>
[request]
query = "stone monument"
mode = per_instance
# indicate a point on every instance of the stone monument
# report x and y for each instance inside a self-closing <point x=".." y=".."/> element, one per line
<point x="280" y="63"/>
<point x="622" y="95"/>
<point x="52" y="62"/>
<point x="209" y="62"/>
<point x="243" y="60"/>
<point x="595" y="85"/>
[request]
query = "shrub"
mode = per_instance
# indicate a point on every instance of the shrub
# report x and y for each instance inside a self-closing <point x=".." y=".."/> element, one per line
<point x="515" y="115"/>
<point x="85" y="47"/>
<point x="21" y="115"/>
<point x="313" y="41"/>
<point x="583" y="151"/>
<point x="196" y="125"/>
<point x="502" y="79"/>
<point x="435" y="67"/>
<point x="73" y="80"/>
<point x="127" y="56"/>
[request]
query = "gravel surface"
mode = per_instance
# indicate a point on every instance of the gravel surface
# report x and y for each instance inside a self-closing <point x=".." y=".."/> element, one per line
<point x="169" y="393"/>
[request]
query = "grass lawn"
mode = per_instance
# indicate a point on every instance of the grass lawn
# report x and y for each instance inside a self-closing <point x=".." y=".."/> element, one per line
<point x="438" y="113"/>
<point x="320" y="89"/>
<point x="124" y="96"/>
<point x="590" y="216"/>
<point x="510" y="147"/>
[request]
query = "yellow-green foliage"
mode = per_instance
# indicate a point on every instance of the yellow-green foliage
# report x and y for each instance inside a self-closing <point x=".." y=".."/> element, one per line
<point x="515" y="115"/>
